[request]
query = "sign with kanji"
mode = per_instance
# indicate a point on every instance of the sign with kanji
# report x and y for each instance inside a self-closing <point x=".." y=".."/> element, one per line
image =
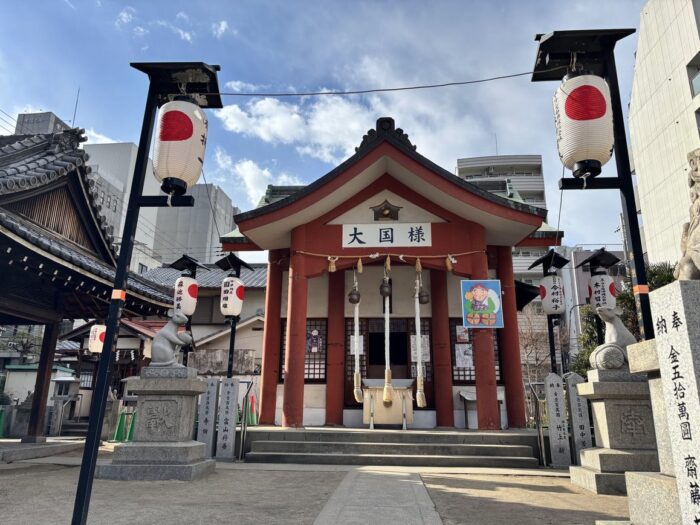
<point x="206" y="415"/>
<point x="481" y="303"/>
<point x="558" y="427"/>
<point x="425" y="348"/>
<point x="387" y="234"/>
<point x="228" y="416"/>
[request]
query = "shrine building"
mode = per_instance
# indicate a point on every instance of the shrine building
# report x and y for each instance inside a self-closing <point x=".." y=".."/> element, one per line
<point x="387" y="212"/>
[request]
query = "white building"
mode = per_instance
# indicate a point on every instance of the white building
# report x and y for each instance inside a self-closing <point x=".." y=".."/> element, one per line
<point x="664" y="116"/>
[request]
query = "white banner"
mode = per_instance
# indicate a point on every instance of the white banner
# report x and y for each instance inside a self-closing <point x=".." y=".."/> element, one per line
<point x="464" y="358"/>
<point x="386" y="234"/>
<point x="425" y="348"/>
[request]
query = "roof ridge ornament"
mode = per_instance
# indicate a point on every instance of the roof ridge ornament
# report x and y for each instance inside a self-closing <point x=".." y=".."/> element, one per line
<point x="385" y="128"/>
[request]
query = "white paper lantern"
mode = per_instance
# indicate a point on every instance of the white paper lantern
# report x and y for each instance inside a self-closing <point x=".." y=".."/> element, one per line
<point x="180" y="144"/>
<point x="97" y="338"/>
<point x="583" y="117"/>
<point x="232" y="295"/>
<point x="186" y="295"/>
<point x="552" y="294"/>
<point x="601" y="290"/>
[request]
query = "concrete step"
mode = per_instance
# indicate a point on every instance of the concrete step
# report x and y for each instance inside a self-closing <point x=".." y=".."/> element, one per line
<point x="37" y="450"/>
<point x="392" y="459"/>
<point x="74" y="428"/>
<point x="432" y="449"/>
<point x="528" y="438"/>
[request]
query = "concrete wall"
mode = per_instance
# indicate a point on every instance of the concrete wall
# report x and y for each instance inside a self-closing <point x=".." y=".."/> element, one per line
<point x="663" y="120"/>
<point x="19" y="382"/>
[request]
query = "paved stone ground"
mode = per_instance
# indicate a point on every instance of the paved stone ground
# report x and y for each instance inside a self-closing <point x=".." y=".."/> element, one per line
<point x="41" y="491"/>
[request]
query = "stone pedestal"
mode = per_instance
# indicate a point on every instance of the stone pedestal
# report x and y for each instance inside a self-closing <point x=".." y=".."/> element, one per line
<point x="163" y="447"/>
<point x="624" y="431"/>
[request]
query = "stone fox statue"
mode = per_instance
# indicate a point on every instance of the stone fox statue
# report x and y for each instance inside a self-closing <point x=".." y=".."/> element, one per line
<point x="168" y="341"/>
<point x="613" y="353"/>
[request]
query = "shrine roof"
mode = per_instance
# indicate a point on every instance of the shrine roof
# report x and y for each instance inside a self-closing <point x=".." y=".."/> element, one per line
<point x="166" y="276"/>
<point x="507" y="220"/>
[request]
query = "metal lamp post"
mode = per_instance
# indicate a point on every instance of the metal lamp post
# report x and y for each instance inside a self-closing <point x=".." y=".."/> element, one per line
<point x="188" y="265"/>
<point x="168" y="80"/>
<point x="233" y="264"/>
<point x="548" y="261"/>
<point x="594" y="51"/>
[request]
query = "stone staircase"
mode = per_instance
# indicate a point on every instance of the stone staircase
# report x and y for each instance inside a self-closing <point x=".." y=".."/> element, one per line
<point x="429" y="448"/>
<point x="74" y="428"/>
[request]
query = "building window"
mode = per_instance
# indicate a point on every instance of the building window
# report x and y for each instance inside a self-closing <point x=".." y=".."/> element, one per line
<point x="694" y="75"/>
<point x="467" y="375"/>
<point x="86" y="379"/>
<point x="142" y="268"/>
<point x="315" y="358"/>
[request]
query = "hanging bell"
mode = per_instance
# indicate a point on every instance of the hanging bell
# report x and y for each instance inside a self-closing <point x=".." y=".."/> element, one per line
<point x="385" y="288"/>
<point x="354" y="296"/>
<point x="423" y="297"/>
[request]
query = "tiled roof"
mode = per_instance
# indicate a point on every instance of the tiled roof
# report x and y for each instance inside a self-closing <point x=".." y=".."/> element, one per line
<point x="277" y="193"/>
<point x="166" y="276"/>
<point x="28" y="162"/>
<point x="43" y="240"/>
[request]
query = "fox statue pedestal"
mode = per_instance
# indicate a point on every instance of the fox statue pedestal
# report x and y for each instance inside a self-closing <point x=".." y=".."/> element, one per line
<point x="163" y="447"/>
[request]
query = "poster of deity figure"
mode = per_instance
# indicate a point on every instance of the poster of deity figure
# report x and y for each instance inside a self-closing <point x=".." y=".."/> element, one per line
<point x="481" y="303"/>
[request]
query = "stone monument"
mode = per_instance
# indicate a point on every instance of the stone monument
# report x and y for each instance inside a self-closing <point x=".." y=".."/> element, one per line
<point x="624" y="428"/>
<point x="206" y="417"/>
<point x="559" y="449"/>
<point x="228" y="416"/>
<point x="578" y="412"/>
<point x="163" y="448"/>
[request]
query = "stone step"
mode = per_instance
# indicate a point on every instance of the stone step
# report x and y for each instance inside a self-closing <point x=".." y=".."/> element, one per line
<point x="392" y="460"/>
<point x="37" y="450"/>
<point x="432" y="449"/>
<point x="396" y="436"/>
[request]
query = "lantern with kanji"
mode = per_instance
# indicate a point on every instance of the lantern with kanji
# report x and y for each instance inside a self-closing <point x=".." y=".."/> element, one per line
<point x="186" y="295"/>
<point x="232" y="295"/>
<point x="601" y="290"/>
<point x="96" y="338"/>
<point x="181" y="141"/>
<point x="552" y="294"/>
<point x="584" y="124"/>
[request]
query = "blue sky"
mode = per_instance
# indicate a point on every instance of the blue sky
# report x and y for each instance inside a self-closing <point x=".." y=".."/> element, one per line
<point x="49" y="48"/>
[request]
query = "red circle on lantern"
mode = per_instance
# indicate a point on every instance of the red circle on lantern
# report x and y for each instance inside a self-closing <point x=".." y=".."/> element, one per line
<point x="192" y="291"/>
<point x="240" y="292"/>
<point x="585" y="103"/>
<point x="102" y="336"/>
<point x="612" y="289"/>
<point x="543" y="292"/>
<point x="175" y="125"/>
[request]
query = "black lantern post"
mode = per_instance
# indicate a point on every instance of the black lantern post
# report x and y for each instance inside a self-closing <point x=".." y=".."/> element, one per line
<point x="233" y="264"/>
<point x="168" y="80"/>
<point x="599" y="263"/>
<point x="551" y="262"/>
<point x="593" y="52"/>
<point x="188" y="266"/>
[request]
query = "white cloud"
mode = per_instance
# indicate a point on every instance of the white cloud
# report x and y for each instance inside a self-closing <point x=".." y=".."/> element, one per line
<point x="69" y="4"/>
<point x="187" y="36"/>
<point x="267" y="119"/>
<point x="182" y="16"/>
<point x="250" y="175"/>
<point x="219" y="28"/>
<point x="239" y="86"/>
<point x="94" y="137"/>
<point x="139" y="31"/>
<point x="125" y="17"/>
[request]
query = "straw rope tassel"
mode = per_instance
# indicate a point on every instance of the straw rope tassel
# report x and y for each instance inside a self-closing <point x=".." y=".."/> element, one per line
<point x="419" y="266"/>
<point x="388" y="396"/>
<point x="387" y="264"/>
<point x="448" y="263"/>
<point x="420" y="392"/>
<point x="359" y="265"/>
<point x="356" y="350"/>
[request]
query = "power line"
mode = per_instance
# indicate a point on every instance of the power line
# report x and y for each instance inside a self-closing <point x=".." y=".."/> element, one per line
<point x="382" y="90"/>
<point x="8" y="115"/>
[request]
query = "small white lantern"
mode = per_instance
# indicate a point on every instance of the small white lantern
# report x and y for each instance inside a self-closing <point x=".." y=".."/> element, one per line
<point x="601" y="290"/>
<point x="186" y="295"/>
<point x="97" y="338"/>
<point x="584" y="123"/>
<point x="232" y="295"/>
<point x="180" y="144"/>
<point x="552" y="294"/>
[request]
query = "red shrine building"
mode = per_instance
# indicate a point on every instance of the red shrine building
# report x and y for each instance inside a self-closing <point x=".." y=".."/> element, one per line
<point x="374" y="217"/>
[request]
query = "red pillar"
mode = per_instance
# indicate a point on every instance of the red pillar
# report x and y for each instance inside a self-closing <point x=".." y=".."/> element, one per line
<point x="293" y="405"/>
<point x="484" y="364"/>
<point x="512" y="369"/>
<point x="270" y="373"/>
<point x="335" y="349"/>
<point x="442" y="353"/>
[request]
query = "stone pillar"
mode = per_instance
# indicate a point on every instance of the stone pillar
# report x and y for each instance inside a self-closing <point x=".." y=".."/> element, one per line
<point x="442" y="353"/>
<point x="624" y="431"/>
<point x="335" y="349"/>
<point x="511" y="366"/>
<point x="293" y="404"/>
<point x="35" y="430"/>
<point x="270" y="372"/>
<point x="487" y="413"/>
<point x="163" y="447"/>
